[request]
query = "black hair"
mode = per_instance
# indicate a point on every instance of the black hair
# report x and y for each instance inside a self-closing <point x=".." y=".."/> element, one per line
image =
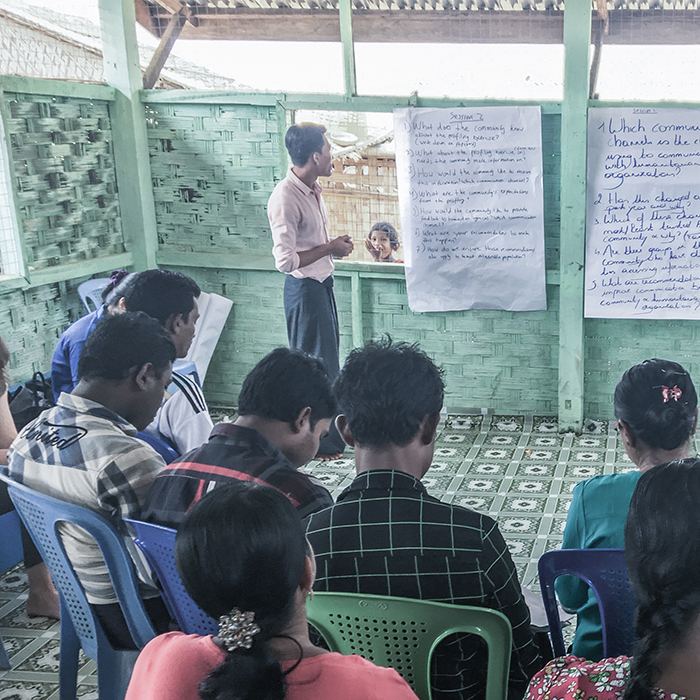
<point x="4" y="361"/>
<point x="162" y="294"/>
<point x="114" y="279"/>
<point x="662" y="550"/>
<point x="390" y="231"/>
<point x="285" y="382"/>
<point x="647" y="400"/>
<point x="385" y="390"/>
<point x="303" y="140"/>
<point x="123" y="343"/>
<point x="111" y="296"/>
<point x="243" y="546"/>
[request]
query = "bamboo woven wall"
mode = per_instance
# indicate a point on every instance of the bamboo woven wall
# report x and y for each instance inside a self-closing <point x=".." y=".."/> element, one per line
<point x="31" y="322"/>
<point x="214" y="168"/>
<point x="65" y="178"/>
<point x="357" y="195"/>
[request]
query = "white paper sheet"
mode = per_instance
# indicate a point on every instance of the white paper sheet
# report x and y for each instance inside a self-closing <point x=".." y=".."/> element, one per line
<point x="643" y="213"/>
<point x="470" y="197"/>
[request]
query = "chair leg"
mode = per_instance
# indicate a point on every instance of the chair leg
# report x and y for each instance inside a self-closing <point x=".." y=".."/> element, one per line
<point x="114" y="670"/>
<point x="68" y="660"/>
<point x="4" y="658"/>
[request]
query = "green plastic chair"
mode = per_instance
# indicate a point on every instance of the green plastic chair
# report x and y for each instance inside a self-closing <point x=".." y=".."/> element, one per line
<point x="402" y="633"/>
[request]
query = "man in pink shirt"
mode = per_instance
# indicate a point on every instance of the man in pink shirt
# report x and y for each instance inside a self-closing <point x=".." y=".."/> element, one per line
<point x="304" y="251"/>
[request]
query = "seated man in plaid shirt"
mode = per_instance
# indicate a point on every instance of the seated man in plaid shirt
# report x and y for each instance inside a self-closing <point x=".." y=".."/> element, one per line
<point x="85" y="451"/>
<point x="285" y="407"/>
<point x="385" y="535"/>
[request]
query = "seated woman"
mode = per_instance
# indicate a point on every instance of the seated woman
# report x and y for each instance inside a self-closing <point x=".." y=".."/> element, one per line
<point x="43" y="597"/>
<point x="244" y="559"/>
<point x="64" y="361"/>
<point x="662" y="549"/>
<point x="656" y="411"/>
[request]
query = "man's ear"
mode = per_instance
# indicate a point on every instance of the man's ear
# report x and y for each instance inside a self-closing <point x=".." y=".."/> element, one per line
<point x="172" y="323"/>
<point x="341" y="423"/>
<point x="302" y="420"/>
<point x="429" y="428"/>
<point x="145" y="376"/>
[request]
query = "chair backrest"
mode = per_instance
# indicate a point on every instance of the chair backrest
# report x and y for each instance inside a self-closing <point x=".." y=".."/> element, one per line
<point x="403" y="633"/>
<point x="42" y="516"/>
<point x="605" y="571"/>
<point x="92" y="291"/>
<point x="160" y="446"/>
<point x="158" y="545"/>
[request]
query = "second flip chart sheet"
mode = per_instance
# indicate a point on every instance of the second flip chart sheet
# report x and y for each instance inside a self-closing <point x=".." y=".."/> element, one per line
<point x="643" y="213"/>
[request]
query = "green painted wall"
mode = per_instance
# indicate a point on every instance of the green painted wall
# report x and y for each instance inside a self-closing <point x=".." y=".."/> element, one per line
<point x="214" y="167"/>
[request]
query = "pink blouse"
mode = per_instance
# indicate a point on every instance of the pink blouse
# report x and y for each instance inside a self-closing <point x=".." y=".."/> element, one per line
<point x="171" y="667"/>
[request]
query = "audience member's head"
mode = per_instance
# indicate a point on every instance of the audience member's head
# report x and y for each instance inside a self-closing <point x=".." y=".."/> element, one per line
<point x="656" y="405"/>
<point x="384" y="227"/>
<point x="242" y="548"/>
<point x="125" y="365"/>
<point x="388" y="394"/>
<point x="662" y="549"/>
<point x="119" y="282"/>
<point x="170" y="297"/>
<point x="303" y="140"/>
<point x="292" y="389"/>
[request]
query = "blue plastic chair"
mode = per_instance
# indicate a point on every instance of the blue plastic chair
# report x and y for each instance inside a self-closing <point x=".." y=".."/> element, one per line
<point x="10" y="555"/>
<point x="160" y="446"/>
<point x="92" y="291"/>
<point x="605" y="571"/>
<point x="42" y="515"/>
<point x="158" y="545"/>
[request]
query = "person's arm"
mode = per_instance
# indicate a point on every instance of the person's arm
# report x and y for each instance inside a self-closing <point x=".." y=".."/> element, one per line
<point x="501" y="579"/>
<point x="571" y="590"/>
<point x="337" y="247"/>
<point x="284" y="219"/>
<point x="123" y="484"/>
<point x="8" y="432"/>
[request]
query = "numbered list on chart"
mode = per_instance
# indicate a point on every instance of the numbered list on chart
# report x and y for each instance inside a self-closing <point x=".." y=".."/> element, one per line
<point x="470" y="196"/>
<point x="643" y="214"/>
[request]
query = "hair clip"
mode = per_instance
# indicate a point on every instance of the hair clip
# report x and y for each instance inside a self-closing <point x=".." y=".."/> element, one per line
<point x="237" y="629"/>
<point x="669" y="394"/>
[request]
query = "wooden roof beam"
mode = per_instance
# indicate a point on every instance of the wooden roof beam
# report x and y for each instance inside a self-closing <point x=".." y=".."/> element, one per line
<point x="641" y="27"/>
<point x="170" y="35"/>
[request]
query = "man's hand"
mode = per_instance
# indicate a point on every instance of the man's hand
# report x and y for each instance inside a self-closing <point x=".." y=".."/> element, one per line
<point x="341" y="246"/>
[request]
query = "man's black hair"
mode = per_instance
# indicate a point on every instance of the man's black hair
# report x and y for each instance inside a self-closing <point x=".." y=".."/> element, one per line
<point x="161" y="294"/>
<point x="123" y="343"/>
<point x="285" y="382"/>
<point x="385" y="390"/>
<point x="302" y="140"/>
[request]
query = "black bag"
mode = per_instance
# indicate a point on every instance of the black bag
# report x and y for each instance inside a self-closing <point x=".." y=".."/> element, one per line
<point x="33" y="397"/>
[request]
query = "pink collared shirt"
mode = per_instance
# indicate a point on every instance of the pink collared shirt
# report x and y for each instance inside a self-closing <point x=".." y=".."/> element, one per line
<point x="299" y="222"/>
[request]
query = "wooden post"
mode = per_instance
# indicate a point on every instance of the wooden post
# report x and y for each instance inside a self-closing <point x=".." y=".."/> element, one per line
<point x="130" y="142"/>
<point x="577" y="40"/>
<point x="346" y="37"/>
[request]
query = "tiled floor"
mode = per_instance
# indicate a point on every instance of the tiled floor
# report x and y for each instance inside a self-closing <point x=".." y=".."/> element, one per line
<point x="518" y="469"/>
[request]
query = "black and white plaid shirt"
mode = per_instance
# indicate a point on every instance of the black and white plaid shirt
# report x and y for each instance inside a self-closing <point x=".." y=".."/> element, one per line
<point x="385" y="535"/>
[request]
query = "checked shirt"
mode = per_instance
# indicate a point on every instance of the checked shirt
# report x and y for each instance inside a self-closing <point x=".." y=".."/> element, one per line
<point x="83" y="453"/>
<point x="387" y="536"/>
<point x="233" y="453"/>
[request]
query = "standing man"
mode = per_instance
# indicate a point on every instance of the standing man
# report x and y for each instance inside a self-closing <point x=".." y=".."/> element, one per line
<point x="304" y="251"/>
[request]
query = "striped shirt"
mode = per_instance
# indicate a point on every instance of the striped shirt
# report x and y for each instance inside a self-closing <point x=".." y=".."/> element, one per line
<point x="183" y="420"/>
<point x="233" y="453"/>
<point x="386" y="536"/>
<point x="81" y="452"/>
